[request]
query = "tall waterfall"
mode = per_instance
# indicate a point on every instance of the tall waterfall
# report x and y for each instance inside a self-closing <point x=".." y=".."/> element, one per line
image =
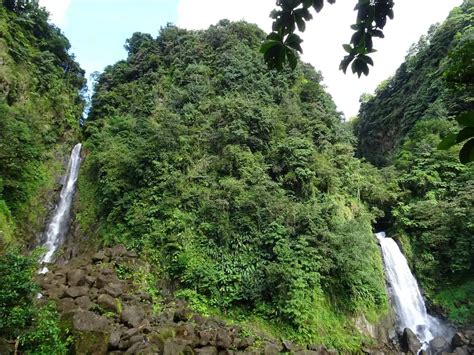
<point x="409" y="304"/>
<point x="59" y="225"/>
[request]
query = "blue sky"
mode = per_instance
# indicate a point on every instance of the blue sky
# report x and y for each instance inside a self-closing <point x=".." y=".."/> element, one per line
<point x="97" y="30"/>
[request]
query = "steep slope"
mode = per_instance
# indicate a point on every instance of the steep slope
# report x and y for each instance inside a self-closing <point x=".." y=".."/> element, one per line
<point x="239" y="184"/>
<point x="40" y="107"/>
<point x="419" y="90"/>
<point x="402" y="126"/>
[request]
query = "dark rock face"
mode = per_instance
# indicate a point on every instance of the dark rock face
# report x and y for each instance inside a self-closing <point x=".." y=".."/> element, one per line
<point x="410" y="342"/>
<point x="438" y="345"/>
<point x="463" y="343"/>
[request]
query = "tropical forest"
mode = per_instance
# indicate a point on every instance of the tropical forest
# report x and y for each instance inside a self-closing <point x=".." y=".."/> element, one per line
<point x="205" y="195"/>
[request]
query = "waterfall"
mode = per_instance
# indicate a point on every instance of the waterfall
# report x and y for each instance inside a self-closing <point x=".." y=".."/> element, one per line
<point x="408" y="301"/>
<point x="55" y="232"/>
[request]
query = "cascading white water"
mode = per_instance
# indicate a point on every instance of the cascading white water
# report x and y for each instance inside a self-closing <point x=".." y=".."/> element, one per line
<point x="57" y="228"/>
<point x="409" y="304"/>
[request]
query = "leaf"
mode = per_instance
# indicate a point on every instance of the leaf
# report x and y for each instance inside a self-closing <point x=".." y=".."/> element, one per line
<point x="275" y="37"/>
<point x="377" y="33"/>
<point x="294" y="41"/>
<point x="301" y="24"/>
<point x="448" y="141"/>
<point x="466" y="154"/>
<point x="466" y="119"/>
<point x="347" y="48"/>
<point x="318" y="5"/>
<point x="367" y="59"/>
<point x="267" y="45"/>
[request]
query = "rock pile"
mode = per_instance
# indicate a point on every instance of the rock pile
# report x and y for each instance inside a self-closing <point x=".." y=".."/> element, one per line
<point x="462" y="343"/>
<point x="107" y="314"/>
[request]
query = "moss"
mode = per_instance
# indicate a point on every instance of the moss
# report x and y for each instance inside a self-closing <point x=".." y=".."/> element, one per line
<point x="91" y="342"/>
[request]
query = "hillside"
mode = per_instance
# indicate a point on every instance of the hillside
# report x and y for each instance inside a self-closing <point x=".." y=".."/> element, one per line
<point x="421" y="89"/>
<point x="40" y="107"/>
<point x="401" y="127"/>
<point x="214" y="206"/>
<point x="238" y="182"/>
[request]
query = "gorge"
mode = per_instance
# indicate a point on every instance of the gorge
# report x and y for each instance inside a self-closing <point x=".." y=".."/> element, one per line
<point x="224" y="208"/>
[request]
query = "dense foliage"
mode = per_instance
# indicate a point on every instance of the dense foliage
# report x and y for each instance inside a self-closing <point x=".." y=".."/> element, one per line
<point x="241" y="182"/>
<point x="403" y="125"/>
<point x="37" y="328"/>
<point x="40" y="107"/>
<point x="420" y="89"/>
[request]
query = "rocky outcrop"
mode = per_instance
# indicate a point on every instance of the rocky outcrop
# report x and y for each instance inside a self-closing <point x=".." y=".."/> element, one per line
<point x="410" y="342"/>
<point x="106" y="313"/>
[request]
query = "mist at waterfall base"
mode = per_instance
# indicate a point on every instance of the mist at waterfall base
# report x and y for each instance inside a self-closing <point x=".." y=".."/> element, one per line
<point x="408" y="301"/>
<point x="56" y="230"/>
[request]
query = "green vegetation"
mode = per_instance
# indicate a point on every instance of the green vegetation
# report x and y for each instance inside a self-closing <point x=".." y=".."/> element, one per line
<point x="402" y="126"/>
<point x="36" y="327"/>
<point x="40" y="108"/>
<point x="240" y="182"/>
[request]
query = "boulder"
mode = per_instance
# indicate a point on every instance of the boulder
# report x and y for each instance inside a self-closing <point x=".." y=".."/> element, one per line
<point x="271" y="349"/>
<point x="67" y="305"/>
<point x="438" y="345"/>
<point x="90" y="332"/>
<point x="223" y="339"/>
<point x="208" y="350"/>
<point x="132" y="315"/>
<point x="459" y="340"/>
<point x="246" y="342"/>
<point x="104" y="279"/>
<point x="90" y="280"/>
<point x="84" y="302"/>
<point x="171" y="347"/>
<point x="462" y="351"/>
<point x="321" y="350"/>
<point x="89" y="321"/>
<point x="182" y="315"/>
<point x="76" y="291"/>
<point x="206" y="337"/>
<point x="288" y="345"/>
<point x="55" y="292"/>
<point x="118" y="250"/>
<point x="107" y="302"/>
<point x="114" y="339"/>
<point x="113" y="289"/>
<point x="76" y="277"/>
<point x="99" y="257"/>
<point x="410" y="342"/>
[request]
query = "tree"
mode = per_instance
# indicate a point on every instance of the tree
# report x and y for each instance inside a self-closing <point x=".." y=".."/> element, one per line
<point x="282" y="44"/>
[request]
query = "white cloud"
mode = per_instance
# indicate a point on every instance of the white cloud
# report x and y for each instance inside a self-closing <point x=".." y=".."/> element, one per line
<point x="57" y="9"/>
<point x="327" y="32"/>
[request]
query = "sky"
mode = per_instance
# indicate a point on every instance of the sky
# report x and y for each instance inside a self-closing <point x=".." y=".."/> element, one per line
<point x="97" y="30"/>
